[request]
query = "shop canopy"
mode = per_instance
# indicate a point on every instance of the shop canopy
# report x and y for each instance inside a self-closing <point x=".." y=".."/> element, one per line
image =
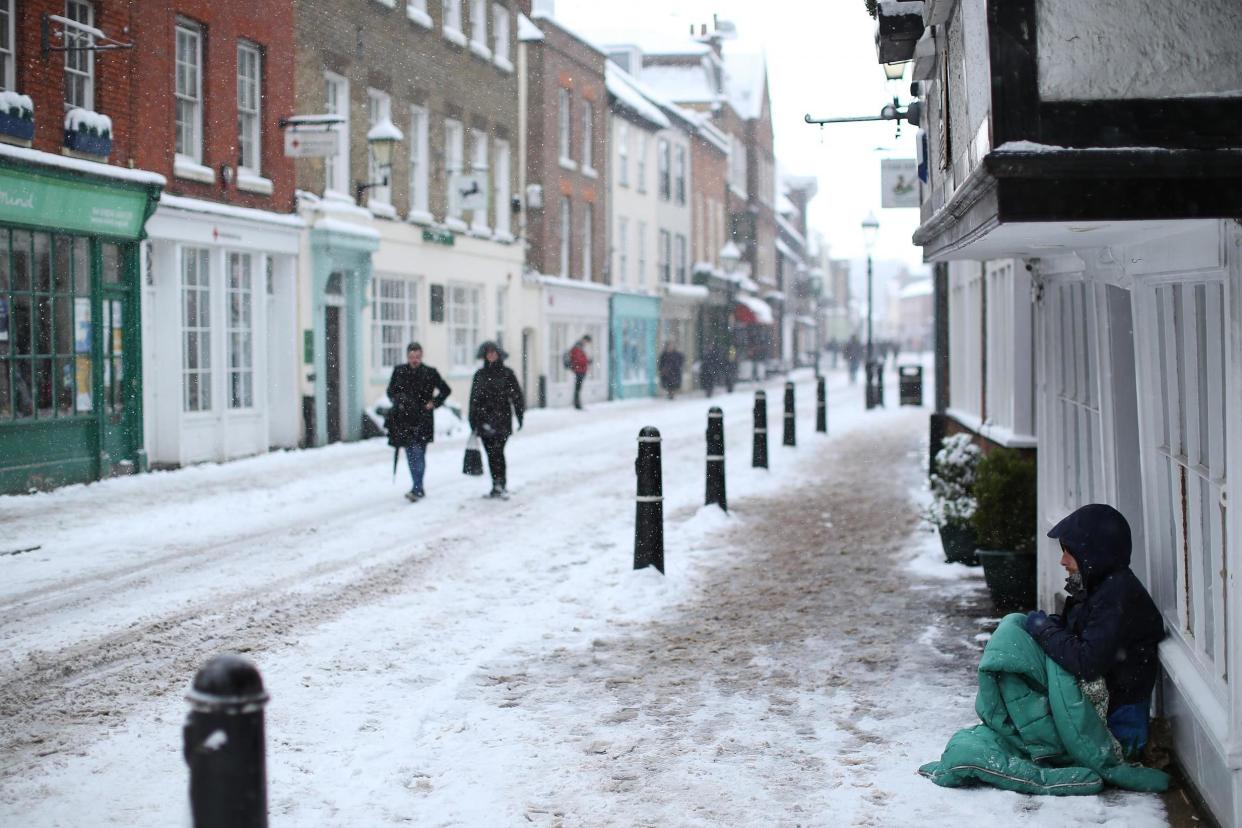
<point x="752" y="311"/>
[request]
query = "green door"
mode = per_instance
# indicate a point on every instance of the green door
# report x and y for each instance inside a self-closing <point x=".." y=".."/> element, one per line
<point x="120" y="408"/>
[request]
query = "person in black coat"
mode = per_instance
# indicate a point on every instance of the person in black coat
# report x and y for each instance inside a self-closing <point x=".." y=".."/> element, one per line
<point x="495" y="398"/>
<point x="1110" y="627"/>
<point x="669" y="367"/>
<point x="415" y="391"/>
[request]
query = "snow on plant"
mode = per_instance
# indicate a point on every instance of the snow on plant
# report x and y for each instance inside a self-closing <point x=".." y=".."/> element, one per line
<point x="952" y="482"/>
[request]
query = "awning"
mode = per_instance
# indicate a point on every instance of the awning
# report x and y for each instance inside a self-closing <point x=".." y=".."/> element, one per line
<point x="752" y="311"/>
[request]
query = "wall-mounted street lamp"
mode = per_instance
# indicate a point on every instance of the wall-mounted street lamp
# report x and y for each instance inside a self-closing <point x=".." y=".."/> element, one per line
<point x="913" y="113"/>
<point x="381" y="139"/>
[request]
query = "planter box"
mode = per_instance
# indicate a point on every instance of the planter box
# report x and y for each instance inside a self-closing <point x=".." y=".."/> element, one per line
<point x="88" y="144"/>
<point x="16" y="127"/>
<point x="1010" y="577"/>
<point x="959" y="544"/>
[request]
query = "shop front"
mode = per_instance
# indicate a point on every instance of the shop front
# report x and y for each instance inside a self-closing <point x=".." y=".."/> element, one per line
<point x="635" y="326"/>
<point x="680" y="309"/>
<point x="573" y="309"/>
<point x="70" y="337"/>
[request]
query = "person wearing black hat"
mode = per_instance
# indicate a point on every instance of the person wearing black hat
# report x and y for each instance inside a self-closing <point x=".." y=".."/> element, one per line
<point x="495" y="398"/>
<point x="1110" y="627"/>
<point x="415" y="391"/>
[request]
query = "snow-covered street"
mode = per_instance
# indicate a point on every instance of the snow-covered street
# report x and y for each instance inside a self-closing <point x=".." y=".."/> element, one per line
<point x="462" y="661"/>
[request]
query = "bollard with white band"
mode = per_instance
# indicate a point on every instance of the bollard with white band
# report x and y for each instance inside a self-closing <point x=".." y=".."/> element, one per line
<point x="649" y="517"/>
<point x="716" y="459"/>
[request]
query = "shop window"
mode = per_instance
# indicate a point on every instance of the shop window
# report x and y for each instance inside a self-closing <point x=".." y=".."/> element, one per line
<point x="249" y="94"/>
<point x="463" y="325"/>
<point x="436" y="302"/>
<point x="79" y="59"/>
<point x="45" y="326"/>
<point x="241" y="331"/>
<point x="634" y="350"/>
<point x="394" y="320"/>
<point x="196" y="329"/>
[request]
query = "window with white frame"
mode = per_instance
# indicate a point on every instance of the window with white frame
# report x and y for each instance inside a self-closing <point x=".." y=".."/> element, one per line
<point x="623" y="154"/>
<point x="379" y="109"/>
<point x="8" y="48"/>
<point x="195" y="329"/>
<point x="502" y="314"/>
<point x="249" y="93"/>
<point x="679" y="175"/>
<point x="737" y="165"/>
<point x="966" y="338"/>
<point x="461" y="312"/>
<point x="664" y="257"/>
<point x="500" y="177"/>
<point x="679" y="259"/>
<point x="640" y="261"/>
<point x="588" y="135"/>
<point x="189" y="92"/>
<point x="663" y="173"/>
<point x="1010" y="367"/>
<point x="588" y="234"/>
<point x="623" y="249"/>
<point x="394" y="319"/>
<point x="418" y="163"/>
<point x="567" y="229"/>
<point x="336" y="102"/>
<point x="500" y="35"/>
<point x="640" y="173"/>
<point x="452" y="18"/>
<point x="454" y="158"/>
<point x="1184" y="382"/>
<point x="79" y="59"/>
<point x="479" y="166"/>
<point x="1074" y="389"/>
<point x="240" y="295"/>
<point x="478" y="27"/>
<point x="564" y="119"/>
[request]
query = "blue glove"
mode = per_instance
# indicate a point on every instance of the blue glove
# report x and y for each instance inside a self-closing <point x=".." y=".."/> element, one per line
<point x="1036" y="622"/>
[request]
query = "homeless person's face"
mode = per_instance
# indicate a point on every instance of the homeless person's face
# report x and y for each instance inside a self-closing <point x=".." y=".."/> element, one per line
<point x="1067" y="561"/>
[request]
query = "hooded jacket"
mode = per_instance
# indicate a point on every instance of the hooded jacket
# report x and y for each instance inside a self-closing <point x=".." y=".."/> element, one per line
<point x="1112" y="627"/>
<point x="495" y="397"/>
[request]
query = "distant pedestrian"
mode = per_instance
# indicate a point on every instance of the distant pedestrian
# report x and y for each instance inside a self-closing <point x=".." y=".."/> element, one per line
<point x="709" y="368"/>
<point x="670" y="366"/>
<point x="495" y="398"/>
<point x="579" y="363"/>
<point x="853" y="356"/>
<point x="415" y="391"/>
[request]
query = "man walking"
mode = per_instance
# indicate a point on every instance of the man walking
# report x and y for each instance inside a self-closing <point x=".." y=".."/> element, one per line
<point x="579" y="363"/>
<point x="415" y="391"/>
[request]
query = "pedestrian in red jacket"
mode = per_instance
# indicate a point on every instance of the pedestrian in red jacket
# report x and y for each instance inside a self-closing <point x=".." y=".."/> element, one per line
<point x="579" y="363"/>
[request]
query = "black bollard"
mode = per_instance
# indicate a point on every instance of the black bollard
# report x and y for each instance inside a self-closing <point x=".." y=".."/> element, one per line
<point x="716" y="459"/>
<point x="759" y="458"/>
<point x="790" y="439"/>
<point x="649" y="521"/>
<point x="223" y="743"/>
<point x="821" y="407"/>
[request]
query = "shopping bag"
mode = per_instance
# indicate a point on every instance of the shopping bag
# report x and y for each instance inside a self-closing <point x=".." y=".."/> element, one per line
<point x="472" y="463"/>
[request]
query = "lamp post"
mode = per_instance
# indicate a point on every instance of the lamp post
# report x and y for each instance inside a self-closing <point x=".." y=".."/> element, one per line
<point x="870" y="227"/>
<point x="381" y="139"/>
<point x="730" y="258"/>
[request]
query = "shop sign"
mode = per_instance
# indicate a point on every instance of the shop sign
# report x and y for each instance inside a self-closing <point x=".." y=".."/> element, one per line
<point x="438" y="237"/>
<point x="35" y="200"/>
<point x="899" y="181"/>
<point x="311" y="143"/>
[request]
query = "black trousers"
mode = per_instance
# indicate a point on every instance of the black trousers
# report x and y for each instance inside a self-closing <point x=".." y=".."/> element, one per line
<point x="578" y="378"/>
<point x="494" y="448"/>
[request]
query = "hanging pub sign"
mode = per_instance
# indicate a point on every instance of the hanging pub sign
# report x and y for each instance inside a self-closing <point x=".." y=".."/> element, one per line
<point x="899" y="182"/>
<point x="469" y="190"/>
<point x="312" y="136"/>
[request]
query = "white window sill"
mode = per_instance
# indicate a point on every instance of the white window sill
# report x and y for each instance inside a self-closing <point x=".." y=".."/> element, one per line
<point x="503" y="236"/>
<point x="455" y="224"/>
<point x="480" y="231"/>
<point x="454" y="35"/>
<point x="252" y="183"/>
<point x="480" y="50"/>
<point x="590" y="172"/>
<point x="568" y="163"/>
<point x="417" y="16"/>
<point x="503" y="64"/>
<point x="188" y="168"/>
<point x="737" y="192"/>
<point x="381" y="209"/>
<point x="420" y="217"/>
<point x="392" y="4"/>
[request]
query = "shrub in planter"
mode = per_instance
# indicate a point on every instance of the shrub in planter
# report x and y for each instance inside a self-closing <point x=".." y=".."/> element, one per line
<point x="953" y="501"/>
<point x="16" y="115"/>
<point x="1005" y="521"/>
<point x="88" y="132"/>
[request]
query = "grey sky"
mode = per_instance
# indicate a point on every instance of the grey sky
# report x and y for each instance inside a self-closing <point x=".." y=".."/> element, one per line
<point x="821" y="59"/>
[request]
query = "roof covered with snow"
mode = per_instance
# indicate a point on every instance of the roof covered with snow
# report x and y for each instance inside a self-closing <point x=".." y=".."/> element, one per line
<point x="746" y="79"/>
<point x="681" y="83"/>
<point x="629" y="93"/>
<point x="47" y="159"/>
<point x="527" y="30"/>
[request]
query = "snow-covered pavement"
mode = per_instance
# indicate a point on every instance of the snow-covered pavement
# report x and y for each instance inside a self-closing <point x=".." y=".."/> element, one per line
<point x="462" y="661"/>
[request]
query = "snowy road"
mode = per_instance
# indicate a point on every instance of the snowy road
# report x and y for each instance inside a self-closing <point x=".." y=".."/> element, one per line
<point x="468" y="662"/>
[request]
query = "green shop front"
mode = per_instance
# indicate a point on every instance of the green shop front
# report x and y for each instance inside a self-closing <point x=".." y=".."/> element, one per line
<point x="635" y="327"/>
<point x="70" y="355"/>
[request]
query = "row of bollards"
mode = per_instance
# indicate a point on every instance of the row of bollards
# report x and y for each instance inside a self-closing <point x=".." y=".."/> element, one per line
<point x="649" y="518"/>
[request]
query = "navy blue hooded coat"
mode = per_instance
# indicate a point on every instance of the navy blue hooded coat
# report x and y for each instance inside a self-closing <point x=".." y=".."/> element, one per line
<point x="1111" y="628"/>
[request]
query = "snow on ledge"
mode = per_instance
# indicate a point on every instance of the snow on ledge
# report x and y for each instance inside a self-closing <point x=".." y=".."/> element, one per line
<point x="527" y="30"/>
<point x="186" y="167"/>
<point x="1032" y="147"/>
<point x="687" y="291"/>
<point x="418" y="16"/>
<point x="347" y="228"/>
<point x="253" y="183"/>
<point x="47" y="159"/>
<point x="196" y="205"/>
<point x="78" y="117"/>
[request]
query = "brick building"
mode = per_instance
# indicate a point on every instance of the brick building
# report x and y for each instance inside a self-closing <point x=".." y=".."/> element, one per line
<point x="219" y="279"/>
<point x="75" y="205"/>
<point x="429" y="252"/>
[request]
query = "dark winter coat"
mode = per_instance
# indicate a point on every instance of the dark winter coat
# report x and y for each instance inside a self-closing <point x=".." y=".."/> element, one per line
<point x="495" y="397"/>
<point x="670" y="367"/>
<point x="1111" y="628"/>
<point x="409" y="420"/>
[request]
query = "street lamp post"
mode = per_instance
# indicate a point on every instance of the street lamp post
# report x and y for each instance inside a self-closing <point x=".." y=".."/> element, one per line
<point x="870" y="228"/>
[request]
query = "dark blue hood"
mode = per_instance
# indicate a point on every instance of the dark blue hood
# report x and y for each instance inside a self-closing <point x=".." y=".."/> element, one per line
<point x="1098" y="537"/>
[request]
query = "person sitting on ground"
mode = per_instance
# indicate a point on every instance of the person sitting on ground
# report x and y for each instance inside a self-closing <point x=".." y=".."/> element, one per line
<point x="1110" y="626"/>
